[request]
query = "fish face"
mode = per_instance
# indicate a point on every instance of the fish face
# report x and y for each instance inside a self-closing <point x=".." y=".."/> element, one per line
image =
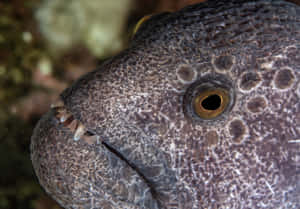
<point x="201" y="111"/>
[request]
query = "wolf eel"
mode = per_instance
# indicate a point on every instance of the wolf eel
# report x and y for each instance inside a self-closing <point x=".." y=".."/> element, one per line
<point x="201" y="111"/>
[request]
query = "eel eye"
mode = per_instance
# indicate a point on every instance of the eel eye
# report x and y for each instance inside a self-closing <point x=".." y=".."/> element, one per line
<point x="211" y="103"/>
<point x="140" y="22"/>
<point x="209" y="99"/>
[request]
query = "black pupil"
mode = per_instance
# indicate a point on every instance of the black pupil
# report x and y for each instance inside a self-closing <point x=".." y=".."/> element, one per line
<point x="212" y="102"/>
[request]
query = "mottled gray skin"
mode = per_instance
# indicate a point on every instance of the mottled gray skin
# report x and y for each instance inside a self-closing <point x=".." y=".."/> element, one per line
<point x="147" y="149"/>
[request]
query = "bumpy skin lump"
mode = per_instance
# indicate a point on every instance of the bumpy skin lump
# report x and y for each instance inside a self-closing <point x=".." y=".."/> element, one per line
<point x="136" y="145"/>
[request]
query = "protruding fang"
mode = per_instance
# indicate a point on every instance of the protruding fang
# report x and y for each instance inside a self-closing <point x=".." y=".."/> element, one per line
<point x="97" y="139"/>
<point x="69" y="121"/>
<point x="58" y="103"/>
<point x="79" y="132"/>
<point x="65" y="117"/>
<point x="61" y="112"/>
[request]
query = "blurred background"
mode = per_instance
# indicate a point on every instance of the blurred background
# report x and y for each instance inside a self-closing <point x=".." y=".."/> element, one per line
<point x="44" y="46"/>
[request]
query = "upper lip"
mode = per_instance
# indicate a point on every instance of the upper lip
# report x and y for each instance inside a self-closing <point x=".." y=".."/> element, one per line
<point x="80" y="131"/>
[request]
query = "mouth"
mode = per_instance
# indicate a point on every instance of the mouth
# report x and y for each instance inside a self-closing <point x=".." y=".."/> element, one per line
<point x="82" y="133"/>
<point x="67" y="120"/>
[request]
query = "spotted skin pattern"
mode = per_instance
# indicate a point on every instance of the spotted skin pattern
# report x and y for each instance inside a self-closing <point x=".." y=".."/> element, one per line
<point x="122" y="136"/>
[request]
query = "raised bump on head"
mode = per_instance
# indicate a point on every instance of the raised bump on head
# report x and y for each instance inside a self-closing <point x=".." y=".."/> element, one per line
<point x="249" y="81"/>
<point x="224" y="62"/>
<point x="186" y="74"/>
<point x="237" y="130"/>
<point x="284" y="79"/>
<point x="257" y="104"/>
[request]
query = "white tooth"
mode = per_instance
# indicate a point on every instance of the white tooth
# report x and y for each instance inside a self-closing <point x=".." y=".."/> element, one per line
<point x="58" y="103"/>
<point x="64" y="117"/>
<point x="97" y="139"/>
<point x="79" y="132"/>
<point x="61" y="111"/>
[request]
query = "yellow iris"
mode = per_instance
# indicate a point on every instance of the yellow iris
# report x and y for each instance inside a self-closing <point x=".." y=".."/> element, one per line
<point x="211" y="103"/>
